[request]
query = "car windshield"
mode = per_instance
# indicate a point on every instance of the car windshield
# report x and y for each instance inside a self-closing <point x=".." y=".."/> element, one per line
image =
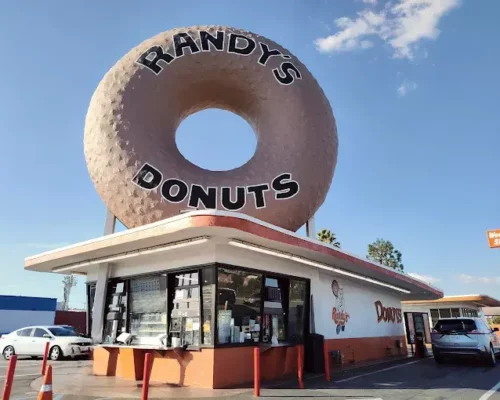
<point x="61" y="331"/>
<point x="456" y="325"/>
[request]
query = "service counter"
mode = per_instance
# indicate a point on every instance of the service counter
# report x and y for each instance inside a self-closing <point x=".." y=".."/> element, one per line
<point x="203" y="367"/>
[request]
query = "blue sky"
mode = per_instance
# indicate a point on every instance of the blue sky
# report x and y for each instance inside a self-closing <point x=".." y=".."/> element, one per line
<point x="415" y="91"/>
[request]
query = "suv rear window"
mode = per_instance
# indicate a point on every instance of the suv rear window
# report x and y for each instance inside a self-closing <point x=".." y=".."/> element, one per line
<point x="456" y="325"/>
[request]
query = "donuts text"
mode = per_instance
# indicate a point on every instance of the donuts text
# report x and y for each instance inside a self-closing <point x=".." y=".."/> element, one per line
<point x="388" y="314"/>
<point x="155" y="58"/>
<point x="176" y="191"/>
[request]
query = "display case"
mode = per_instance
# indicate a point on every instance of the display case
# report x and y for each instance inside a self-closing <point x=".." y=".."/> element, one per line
<point x="148" y="309"/>
<point x="185" y="327"/>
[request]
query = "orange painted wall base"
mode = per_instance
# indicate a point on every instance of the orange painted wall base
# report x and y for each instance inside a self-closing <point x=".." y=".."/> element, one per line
<point x="229" y="367"/>
<point x="368" y="348"/>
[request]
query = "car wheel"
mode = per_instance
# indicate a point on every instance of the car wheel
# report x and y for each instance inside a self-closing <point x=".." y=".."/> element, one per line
<point x="8" y="352"/>
<point x="492" y="358"/>
<point x="55" y="353"/>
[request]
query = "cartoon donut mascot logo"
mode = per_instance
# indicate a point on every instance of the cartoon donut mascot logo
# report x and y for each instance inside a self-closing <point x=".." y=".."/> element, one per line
<point x="339" y="315"/>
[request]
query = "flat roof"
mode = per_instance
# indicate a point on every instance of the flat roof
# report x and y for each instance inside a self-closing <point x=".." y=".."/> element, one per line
<point x="480" y="300"/>
<point x="226" y="227"/>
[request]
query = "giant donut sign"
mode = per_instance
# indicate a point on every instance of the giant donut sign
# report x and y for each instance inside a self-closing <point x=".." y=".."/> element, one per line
<point x="135" y="111"/>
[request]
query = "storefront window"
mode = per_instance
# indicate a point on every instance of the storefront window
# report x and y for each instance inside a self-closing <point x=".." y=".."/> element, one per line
<point x="275" y="301"/>
<point x="185" y="317"/>
<point x="116" y="311"/>
<point x="296" y="312"/>
<point x="444" y="313"/>
<point x="208" y="296"/>
<point x="238" y="306"/>
<point x="455" y="312"/>
<point x="148" y="309"/>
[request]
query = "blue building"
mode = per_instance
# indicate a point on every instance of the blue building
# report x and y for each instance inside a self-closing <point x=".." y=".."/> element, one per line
<point x="20" y="311"/>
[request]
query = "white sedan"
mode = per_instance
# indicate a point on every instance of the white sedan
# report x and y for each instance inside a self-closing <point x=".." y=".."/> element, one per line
<point x="31" y="341"/>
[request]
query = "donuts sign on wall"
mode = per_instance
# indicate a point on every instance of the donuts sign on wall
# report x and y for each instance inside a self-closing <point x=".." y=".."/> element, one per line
<point x="135" y="111"/>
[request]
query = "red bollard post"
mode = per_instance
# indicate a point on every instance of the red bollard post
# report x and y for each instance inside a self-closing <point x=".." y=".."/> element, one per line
<point x="256" y="372"/>
<point x="45" y="357"/>
<point x="327" y="362"/>
<point x="300" y="359"/>
<point x="9" y="378"/>
<point x="146" y="375"/>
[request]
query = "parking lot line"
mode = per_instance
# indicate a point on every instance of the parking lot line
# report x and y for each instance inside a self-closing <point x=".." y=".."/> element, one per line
<point x="378" y="371"/>
<point x="491" y="392"/>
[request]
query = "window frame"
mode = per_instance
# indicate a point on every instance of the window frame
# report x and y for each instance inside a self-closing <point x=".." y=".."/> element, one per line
<point x="263" y="282"/>
<point x="25" y="329"/>
<point x="199" y="267"/>
<point x="43" y="330"/>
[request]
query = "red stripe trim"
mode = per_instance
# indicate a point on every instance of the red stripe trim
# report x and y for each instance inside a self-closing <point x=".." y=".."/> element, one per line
<point x="271" y="234"/>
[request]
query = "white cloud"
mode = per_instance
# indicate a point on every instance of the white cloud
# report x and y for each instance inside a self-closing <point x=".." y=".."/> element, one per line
<point x="401" y="25"/>
<point x="424" y="278"/>
<point x="407" y="87"/>
<point x="488" y="280"/>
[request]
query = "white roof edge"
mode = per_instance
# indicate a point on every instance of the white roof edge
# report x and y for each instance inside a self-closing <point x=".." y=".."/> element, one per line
<point x="225" y="214"/>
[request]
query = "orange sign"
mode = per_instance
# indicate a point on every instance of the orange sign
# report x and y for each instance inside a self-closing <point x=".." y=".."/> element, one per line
<point x="493" y="238"/>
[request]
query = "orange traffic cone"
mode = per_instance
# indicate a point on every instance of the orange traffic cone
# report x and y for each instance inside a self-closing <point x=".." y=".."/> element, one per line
<point x="46" y="389"/>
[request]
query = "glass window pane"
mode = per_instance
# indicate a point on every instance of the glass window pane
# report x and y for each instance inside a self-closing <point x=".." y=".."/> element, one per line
<point x="24" y="332"/>
<point x="116" y="311"/>
<point x="148" y="309"/>
<point x="208" y="289"/>
<point x="455" y="312"/>
<point x="238" y="306"/>
<point x="296" y="310"/>
<point x="275" y="308"/>
<point x="458" y="325"/>
<point x="444" y="313"/>
<point x="185" y="316"/>
<point x="40" y="332"/>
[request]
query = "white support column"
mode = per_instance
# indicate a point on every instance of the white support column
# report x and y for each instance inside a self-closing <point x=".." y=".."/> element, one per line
<point x="101" y="287"/>
<point x="310" y="228"/>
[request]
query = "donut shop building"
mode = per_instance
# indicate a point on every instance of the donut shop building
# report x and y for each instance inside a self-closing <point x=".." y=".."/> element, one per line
<point x="202" y="289"/>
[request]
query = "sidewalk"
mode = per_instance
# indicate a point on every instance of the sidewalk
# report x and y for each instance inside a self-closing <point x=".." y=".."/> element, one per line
<point x="83" y="385"/>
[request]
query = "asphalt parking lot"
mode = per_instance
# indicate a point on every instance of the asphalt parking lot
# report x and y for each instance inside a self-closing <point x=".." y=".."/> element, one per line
<point x="28" y="370"/>
<point x="404" y="380"/>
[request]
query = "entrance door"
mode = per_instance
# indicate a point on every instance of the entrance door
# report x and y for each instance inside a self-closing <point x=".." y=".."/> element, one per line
<point x="418" y="320"/>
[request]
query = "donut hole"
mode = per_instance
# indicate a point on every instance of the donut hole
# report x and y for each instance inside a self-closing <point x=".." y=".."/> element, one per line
<point x="216" y="140"/>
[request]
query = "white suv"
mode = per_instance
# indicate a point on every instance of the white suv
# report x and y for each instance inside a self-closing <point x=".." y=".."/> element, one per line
<point x="31" y="341"/>
<point x="473" y="337"/>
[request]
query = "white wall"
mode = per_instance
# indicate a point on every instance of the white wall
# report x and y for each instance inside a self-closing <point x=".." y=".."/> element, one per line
<point x="11" y="320"/>
<point x="163" y="261"/>
<point x="359" y="303"/>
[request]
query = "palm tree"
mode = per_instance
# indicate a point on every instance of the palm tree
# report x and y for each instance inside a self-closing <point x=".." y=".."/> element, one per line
<point x="327" y="236"/>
